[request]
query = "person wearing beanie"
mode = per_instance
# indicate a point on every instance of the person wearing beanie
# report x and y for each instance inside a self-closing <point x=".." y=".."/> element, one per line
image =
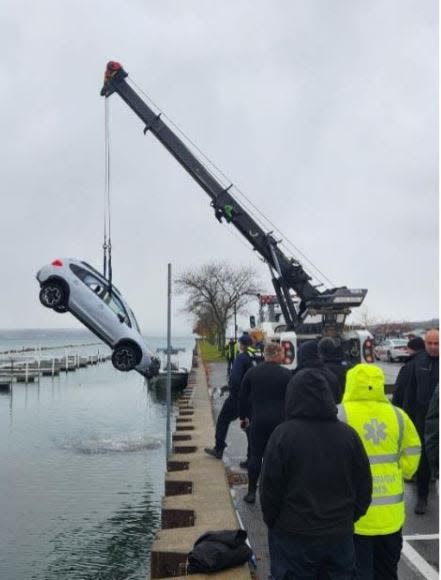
<point x="230" y="408"/>
<point x="308" y="358"/>
<point x="333" y="358"/>
<point x="415" y="346"/>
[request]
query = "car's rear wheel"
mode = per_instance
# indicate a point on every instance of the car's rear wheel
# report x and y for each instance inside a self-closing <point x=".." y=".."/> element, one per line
<point x="126" y="356"/>
<point x="390" y="358"/>
<point x="53" y="295"/>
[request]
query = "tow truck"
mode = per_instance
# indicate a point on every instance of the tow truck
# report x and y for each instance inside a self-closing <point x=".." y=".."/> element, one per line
<point x="311" y="313"/>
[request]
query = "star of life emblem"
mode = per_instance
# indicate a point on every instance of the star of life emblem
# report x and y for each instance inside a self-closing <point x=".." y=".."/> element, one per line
<point x="375" y="431"/>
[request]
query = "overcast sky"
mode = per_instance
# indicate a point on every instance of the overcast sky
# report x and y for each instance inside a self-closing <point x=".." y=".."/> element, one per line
<point x="323" y="113"/>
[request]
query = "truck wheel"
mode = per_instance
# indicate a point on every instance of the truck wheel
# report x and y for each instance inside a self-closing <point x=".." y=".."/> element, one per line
<point x="126" y="356"/>
<point x="53" y="295"/>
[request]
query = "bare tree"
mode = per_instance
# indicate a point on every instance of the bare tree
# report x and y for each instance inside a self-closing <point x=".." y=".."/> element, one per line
<point x="216" y="290"/>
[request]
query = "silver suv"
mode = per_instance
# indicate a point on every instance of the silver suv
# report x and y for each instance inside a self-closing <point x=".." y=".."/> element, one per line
<point x="70" y="285"/>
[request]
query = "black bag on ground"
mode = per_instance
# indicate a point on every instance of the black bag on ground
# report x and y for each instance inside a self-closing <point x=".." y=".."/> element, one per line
<point x="214" y="551"/>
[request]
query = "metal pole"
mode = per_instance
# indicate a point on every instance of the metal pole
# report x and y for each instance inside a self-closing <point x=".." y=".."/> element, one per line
<point x="168" y="434"/>
<point x="235" y="322"/>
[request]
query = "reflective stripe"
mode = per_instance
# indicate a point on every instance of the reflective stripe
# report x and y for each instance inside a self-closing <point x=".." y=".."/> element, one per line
<point x="388" y="458"/>
<point x="341" y="414"/>
<point x="387" y="499"/>
<point x="400" y="426"/>
<point x="411" y="450"/>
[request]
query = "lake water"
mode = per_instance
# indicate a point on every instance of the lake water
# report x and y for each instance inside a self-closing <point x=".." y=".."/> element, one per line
<point x="82" y="461"/>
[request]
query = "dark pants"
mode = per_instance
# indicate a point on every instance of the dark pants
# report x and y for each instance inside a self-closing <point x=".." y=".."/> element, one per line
<point x="311" y="558"/>
<point x="228" y="413"/>
<point x="260" y="432"/>
<point x="377" y="557"/>
<point x="423" y="474"/>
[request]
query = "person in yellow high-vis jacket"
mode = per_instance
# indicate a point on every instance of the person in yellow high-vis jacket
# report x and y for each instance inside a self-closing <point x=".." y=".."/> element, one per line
<point x="393" y="447"/>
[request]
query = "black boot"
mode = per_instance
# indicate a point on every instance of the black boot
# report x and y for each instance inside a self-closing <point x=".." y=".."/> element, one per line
<point x="421" y="506"/>
<point x="250" y="497"/>
<point x="217" y="453"/>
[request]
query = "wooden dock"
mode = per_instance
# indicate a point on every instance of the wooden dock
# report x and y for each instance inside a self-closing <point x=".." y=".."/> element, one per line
<point x="19" y="368"/>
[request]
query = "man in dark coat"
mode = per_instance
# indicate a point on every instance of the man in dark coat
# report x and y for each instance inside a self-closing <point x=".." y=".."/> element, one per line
<point x="262" y="397"/>
<point x="415" y="346"/>
<point x="423" y="379"/>
<point x="316" y="482"/>
<point x="334" y="360"/>
<point x="230" y="408"/>
<point x="308" y="358"/>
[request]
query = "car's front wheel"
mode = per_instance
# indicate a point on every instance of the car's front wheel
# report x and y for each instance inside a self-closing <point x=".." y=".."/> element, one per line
<point x="53" y="295"/>
<point x="390" y="357"/>
<point x="126" y="356"/>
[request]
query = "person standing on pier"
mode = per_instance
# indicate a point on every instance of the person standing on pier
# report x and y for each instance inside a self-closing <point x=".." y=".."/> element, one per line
<point x="230" y="408"/>
<point x="415" y="346"/>
<point x="262" y="397"/>
<point x="316" y="482"/>
<point x="331" y="353"/>
<point x="230" y="354"/>
<point x="308" y="358"/>
<point x="393" y="447"/>
<point x="423" y="379"/>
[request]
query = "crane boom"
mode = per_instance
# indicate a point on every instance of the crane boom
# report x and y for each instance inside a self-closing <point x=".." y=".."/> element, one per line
<point x="286" y="272"/>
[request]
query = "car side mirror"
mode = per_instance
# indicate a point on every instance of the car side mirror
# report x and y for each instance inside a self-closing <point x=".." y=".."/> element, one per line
<point x="121" y="317"/>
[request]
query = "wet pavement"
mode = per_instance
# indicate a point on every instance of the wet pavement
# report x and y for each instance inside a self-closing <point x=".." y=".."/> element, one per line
<point x="420" y="556"/>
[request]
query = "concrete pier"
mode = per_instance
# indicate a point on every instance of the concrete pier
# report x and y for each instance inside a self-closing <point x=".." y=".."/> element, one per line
<point x="197" y="496"/>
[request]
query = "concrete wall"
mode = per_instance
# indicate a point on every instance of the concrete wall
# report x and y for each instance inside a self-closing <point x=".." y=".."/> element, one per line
<point x="197" y="496"/>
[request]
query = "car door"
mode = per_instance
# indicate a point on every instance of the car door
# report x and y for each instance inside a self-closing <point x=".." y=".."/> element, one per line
<point x="94" y="306"/>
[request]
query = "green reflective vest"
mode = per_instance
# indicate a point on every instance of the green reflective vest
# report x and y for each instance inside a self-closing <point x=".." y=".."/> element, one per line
<point x="391" y="443"/>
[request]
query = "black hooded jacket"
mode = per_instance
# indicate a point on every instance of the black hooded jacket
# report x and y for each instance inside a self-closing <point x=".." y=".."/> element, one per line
<point x="316" y="478"/>
<point x="308" y="358"/>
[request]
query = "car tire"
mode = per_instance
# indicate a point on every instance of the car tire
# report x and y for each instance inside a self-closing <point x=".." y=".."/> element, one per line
<point x="126" y="356"/>
<point x="53" y="295"/>
<point x="389" y="358"/>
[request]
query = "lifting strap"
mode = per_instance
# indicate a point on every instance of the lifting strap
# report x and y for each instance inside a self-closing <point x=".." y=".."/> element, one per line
<point x="107" y="243"/>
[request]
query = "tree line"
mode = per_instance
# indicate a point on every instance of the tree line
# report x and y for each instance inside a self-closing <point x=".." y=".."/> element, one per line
<point x="214" y="293"/>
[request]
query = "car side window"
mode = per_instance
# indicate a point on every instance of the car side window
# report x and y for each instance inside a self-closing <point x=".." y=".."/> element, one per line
<point x="115" y="304"/>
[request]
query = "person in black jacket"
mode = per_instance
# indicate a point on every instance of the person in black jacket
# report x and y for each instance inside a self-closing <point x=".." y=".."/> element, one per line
<point x="308" y="358"/>
<point x="262" y="407"/>
<point x="423" y="379"/>
<point x="316" y="482"/>
<point x="401" y="393"/>
<point x="334" y="360"/>
<point x="230" y="408"/>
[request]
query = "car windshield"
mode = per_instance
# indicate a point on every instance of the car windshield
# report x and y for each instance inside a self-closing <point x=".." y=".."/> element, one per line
<point x="399" y="342"/>
<point x="99" y="276"/>
<point x="133" y="319"/>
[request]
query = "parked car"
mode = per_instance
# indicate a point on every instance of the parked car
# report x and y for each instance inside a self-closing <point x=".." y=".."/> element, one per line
<point x="71" y="285"/>
<point x="393" y="349"/>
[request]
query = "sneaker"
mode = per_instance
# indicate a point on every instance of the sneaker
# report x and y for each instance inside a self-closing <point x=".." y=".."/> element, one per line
<point x="250" y="497"/>
<point x="244" y="464"/>
<point x="421" y="506"/>
<point x="214" y="452"/>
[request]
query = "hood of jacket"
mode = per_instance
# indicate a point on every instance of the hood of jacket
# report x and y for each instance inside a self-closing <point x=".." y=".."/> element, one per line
<point x="308" y="355"/>
<point x="309" y="396"/>
<point x="365" y="382"/>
